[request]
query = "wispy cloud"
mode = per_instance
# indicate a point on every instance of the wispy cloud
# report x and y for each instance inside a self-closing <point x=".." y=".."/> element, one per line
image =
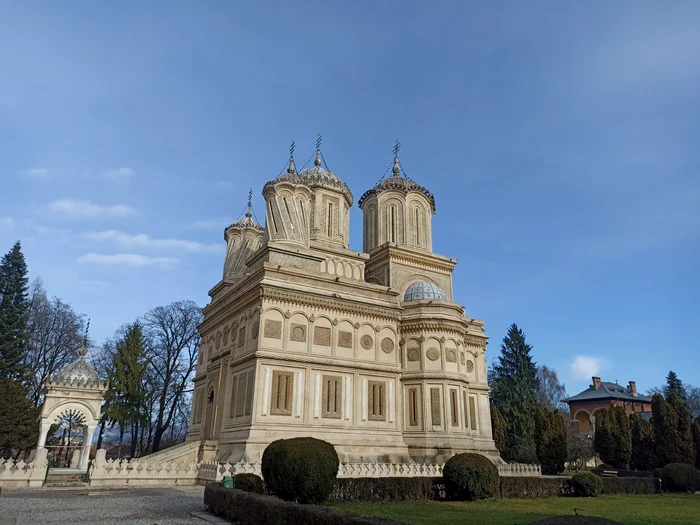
<point x="7" y="224"/>
<point x="37" y="173"/>
<point x="131" y="260"/>
<point x="121" y="176"/>
<point x="143" y="240"/>
<point x="85" y="209"/>
<point x="586" y="366"/>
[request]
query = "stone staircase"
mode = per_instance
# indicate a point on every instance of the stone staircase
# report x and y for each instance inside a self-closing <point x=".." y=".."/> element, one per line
<point x="63" y="477"/>
<point x="183" y="452"/>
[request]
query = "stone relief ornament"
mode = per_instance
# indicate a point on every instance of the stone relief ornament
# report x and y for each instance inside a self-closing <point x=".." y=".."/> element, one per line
<point x="322" y="336"/>
<point x="256" y="329"/>
<point x="470" y="366"/>
<point x="387" y="345"/>
<point x="218" y="340"/>
<point x="366" y="341"/>
<point x="345" y="339"/>
<point x="273" y="329"/>
<point x="451" y="356"/>
<point x="241" y="336"/>
<point x="413" y="354"/>
<point x="234" y="332"/>
<point x="433" y="353"/>
<point x="298" y="333"/>
<point x="461" y="357"/>
<point x="225" y="340"/>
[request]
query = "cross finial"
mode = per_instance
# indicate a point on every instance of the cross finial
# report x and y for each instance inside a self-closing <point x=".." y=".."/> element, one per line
<point x="291" y="149"/>
<point x="249" y="211"/>
<point x="319" y="139"/>
<point x="397" y="147"/>
<point x="83" y="350"/>
<point x="317" y="161"/>
<point x="291" y="168"/>
<point x="396" y="169"/>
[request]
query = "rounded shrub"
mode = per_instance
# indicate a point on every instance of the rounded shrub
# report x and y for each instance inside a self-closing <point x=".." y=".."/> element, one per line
<point x="300" y="469"/>
<point x="605" y="466"/>
<point x="249" y="483"/>
<point x="587" y="485"/>
<point x="679" y="477"/>
<point x="656" y="473"/>
<point x="469" y="477"/>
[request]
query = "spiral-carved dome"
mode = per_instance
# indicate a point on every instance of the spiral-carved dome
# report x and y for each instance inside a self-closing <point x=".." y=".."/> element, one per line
<point x="78" y="370"/>
<point x="424" y="291"/>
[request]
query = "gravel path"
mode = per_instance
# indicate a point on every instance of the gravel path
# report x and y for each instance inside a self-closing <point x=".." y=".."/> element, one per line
<point x="171" y="506"/>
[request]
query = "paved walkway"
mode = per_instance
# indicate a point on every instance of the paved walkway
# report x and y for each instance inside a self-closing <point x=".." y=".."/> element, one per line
<point x="157" y="506"/>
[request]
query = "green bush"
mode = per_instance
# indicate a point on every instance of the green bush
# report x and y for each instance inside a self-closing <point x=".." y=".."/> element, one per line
<point x="587" y="484"/>
<point x="533" y="487"/>
<point x="605" y="466"/>
<point x="656" y="473"/>
<point x="470" y="476"/>
<point x="249" y="483"/>
<point x="631" y="485"/>
<point x="300" y="469"/>
<point x="679" y="477"/>
<point x="387" y="489"/>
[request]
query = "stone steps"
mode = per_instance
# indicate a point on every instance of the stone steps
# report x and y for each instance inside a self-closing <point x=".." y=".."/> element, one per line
<point x="65" y="479"/>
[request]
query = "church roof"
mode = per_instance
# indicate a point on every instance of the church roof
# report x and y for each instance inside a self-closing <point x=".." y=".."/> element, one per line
<point x="397" y="182"/>
<point x="318" y="175"/>
<point x="608" y="391"/>
<point x="424" y="291"/>
<point x="247" y="221"/>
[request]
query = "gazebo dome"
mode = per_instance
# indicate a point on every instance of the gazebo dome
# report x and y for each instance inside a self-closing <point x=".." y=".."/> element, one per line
<point x="424" y="291"/>
<point x="78" y="370"/>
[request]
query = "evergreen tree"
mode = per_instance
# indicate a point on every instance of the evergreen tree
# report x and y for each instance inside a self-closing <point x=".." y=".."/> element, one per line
<point x="14" y="312"/>
<point x="643" y="447"/>
<point x="514" y="392"/>
<point x="125" y="400"/>
<point x="550" y="440"/>
<point x="696" y="440"/>
<point x="623" y="438"/>
<point x="666" y="436"/>
<point x="684" y="436"/>
<point x="499" y="429"/>
<point x="674" y="386"/>
<point x="19" y="419"/>
<point x="604" y="440"/>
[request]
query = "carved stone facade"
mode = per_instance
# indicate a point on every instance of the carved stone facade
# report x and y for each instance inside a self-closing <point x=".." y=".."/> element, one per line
<point x="368" y="351"/>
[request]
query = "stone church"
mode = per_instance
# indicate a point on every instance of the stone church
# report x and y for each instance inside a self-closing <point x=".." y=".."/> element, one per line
<point x="366" y="350"/>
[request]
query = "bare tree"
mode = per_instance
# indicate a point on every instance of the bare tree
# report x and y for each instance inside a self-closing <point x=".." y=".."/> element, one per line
<point x="551" y="392"/>
<point x="172" y="342"/>
<point x="55" y="335"/>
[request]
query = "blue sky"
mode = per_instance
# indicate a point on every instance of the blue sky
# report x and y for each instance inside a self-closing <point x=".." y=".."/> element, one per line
<point x="559" y="138"/>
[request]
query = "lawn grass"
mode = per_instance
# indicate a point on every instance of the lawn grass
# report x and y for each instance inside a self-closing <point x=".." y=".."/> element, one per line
<point x="626" y="509"/>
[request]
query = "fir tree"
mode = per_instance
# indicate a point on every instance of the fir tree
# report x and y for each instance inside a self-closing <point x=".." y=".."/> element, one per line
<point x="684" y="436"/>
<point x="499" y="429"/>
<point x="623" y="438"/>
<point x="550" y="440"/>
<point x="14" y="312"/>
<point x="514" y="392"/>
<point x="669" y="448"/>
<point x="696" y="440"/>
<point x="604" y="440"/>
<point x="19" y="419"/>
<point x="643" y="447"/>
<point x="674" y="386"/>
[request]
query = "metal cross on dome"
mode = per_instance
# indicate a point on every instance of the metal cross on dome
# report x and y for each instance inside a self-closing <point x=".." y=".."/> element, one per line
<point x="397" y="147"/>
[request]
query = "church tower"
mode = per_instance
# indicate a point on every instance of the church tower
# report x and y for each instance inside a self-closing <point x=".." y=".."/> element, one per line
<point x="243" y="238"/>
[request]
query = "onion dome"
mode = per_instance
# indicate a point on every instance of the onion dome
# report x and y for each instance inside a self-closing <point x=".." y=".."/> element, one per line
<point x="290" y="175"/>
<point x="78" y="370"/>
<point x="424" y="291"/>
<point x="247" y="221"/>
<point x="397" y="182"/>
<point x="319" y="175"/>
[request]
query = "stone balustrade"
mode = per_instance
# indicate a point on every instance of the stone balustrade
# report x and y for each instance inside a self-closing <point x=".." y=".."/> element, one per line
<point x="24" y="474"/>
<point x="139" y="472"/>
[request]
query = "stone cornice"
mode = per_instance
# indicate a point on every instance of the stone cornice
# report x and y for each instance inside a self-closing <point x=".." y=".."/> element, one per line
<point x="434" y="375"/>
<point x="441" y="325"/>
<point x="390" y="252"/>
<point x="289" y="357"/>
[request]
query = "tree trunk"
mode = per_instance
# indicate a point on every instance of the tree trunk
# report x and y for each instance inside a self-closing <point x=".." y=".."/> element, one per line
<point x="134" y="437"/>
<point x="121" y="438"/>
<point x="101" y="433"/>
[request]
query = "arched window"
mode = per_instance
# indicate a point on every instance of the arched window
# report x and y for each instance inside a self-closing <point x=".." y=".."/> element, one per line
<point x="392" y="223"/>
<point x="329" y="222"/>
<point x="416" y="213"/>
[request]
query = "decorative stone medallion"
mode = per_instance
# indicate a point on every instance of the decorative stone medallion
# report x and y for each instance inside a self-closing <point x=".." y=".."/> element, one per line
<point x="234" y="332"/>
<point x="322" y="336"/>
<point x="256" y="329"/>
<point x="218" y="340"/>
<point x="298" y="333"/>
<point x="273" y="329"/>
<point x="225" y="340"/>
<point x="366" y="341"/>
<point x="413" y="354"/>
<point x="470" y="366"/>
<point x="451" y="356"/>
<point x="433" y="353"/>
<point x="387" y="345"/>
<point x="241" y="336"/>
<point x="345" y="339"/>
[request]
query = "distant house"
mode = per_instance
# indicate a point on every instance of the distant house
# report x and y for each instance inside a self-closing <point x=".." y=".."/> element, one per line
<point x="584" y="406"/>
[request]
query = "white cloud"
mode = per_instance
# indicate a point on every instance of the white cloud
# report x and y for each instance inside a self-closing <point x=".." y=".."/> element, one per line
<point x="121" y="176"/>
<point x="37" y="173"/>
<point x="7" y="223"/>
<point x="586" y="366"/>
<point x="132" y="260"/>
<point x="145" y="241"/>
<point x="87" y="210"/>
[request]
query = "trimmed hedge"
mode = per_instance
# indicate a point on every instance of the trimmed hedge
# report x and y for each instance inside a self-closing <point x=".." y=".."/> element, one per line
<point x="534" y="487"/>
<point x="679" y="477"/>
<point x="249" y="483"/>
<point x="587" y="485"/>
<point x="388" y="489"/>
<point x="633" y="485"/>
<point x="470" y="476"/>
<point x="624" y="473"/>
<point x="247" y="508"/>
<point x="300" y="469"/>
